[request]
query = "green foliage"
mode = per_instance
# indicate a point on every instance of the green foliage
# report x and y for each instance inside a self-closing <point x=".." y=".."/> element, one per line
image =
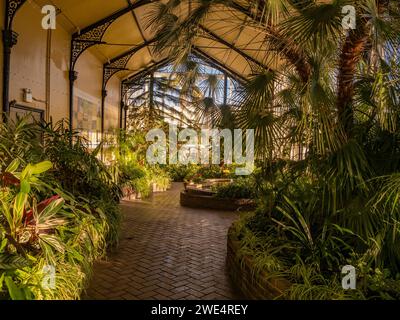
<point x="77" y="168"/>
<point x="313" y="226"/>
<point x="180" y="172"/>
<point x="335" y="96"/>
<point x="211" y="172"/>
<point x="130" y="168"/>
<point x="60" y="213"/>
<point x="240" y="188"/>
<point x="160" y="177"/>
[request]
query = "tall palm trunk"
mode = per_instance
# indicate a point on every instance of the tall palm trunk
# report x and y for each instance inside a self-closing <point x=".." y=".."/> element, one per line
<point x="352" y="50"/>
<point x="355" y="44"/>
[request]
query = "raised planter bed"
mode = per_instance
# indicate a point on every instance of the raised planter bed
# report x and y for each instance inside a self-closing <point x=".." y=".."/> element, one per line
<point x="197" y="198"/>
<point x="130" y="194"/>
<point x="156" y="188"/>
<point x="253" y="285"/>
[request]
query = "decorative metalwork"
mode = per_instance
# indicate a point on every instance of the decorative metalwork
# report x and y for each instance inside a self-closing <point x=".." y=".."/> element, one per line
<point x="87" y="39"/>
<point x="124" y="90"/>
<point x="73" y="75"/>
<point x="94" y="33"/>
<point x="119" y="63"/>
<point x="112" y="68"/>
<point x="10" y="38"/>
<point x="12" y="7"/>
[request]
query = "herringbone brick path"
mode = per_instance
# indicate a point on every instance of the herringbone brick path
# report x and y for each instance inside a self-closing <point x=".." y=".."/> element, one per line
<point x="166" y="252"/>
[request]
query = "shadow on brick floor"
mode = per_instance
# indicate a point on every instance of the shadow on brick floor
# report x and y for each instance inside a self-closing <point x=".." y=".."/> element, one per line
<point x="166" y="252"/>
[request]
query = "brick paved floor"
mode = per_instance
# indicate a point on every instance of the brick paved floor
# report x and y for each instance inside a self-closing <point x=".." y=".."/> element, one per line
<point x="166" y="252"/>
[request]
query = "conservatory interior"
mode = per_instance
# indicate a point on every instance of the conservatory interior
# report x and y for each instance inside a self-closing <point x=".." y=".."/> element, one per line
<point x="93" y="91"/>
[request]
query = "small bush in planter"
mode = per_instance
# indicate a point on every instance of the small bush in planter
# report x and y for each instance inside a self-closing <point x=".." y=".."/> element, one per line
<point x="180" y="173"/>
<point x="211" y="172"/>
<point x="160" y="179"/>
<point x="241" y="188"/>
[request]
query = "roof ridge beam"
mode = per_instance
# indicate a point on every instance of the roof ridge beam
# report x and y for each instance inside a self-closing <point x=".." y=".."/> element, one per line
<point x="234" y="48"/>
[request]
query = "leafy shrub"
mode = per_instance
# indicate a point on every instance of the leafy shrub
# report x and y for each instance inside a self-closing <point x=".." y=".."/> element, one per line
<point x="78" y="169"/>
<point x="211" y="172"/>
<point x="62" y="214"/>
<point x="313" y="226"/>
<point x="130" y="169"/>
<point x="57" y="231"/>
<point x="241" y="188"/>
<point x="160" y="177"/>
<point x="180" y="172"/>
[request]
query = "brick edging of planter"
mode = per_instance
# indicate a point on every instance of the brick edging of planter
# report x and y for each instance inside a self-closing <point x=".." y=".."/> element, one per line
<point x="211" y="202"/>
<point x="254" y="287"/>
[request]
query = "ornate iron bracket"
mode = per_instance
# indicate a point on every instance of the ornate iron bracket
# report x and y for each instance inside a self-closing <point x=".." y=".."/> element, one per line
<point x="124" y="90"/>
<point x="89" y="37"/>
<point x="119" y="63"/>
<point x="12" y="6"/>
<point x="10" y="38"/>
<point x="81" y="42"/>
<point x="109" y="69"/>
<point x="94" y="33"/>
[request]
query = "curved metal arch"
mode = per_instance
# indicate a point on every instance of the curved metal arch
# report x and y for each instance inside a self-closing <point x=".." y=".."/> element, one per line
<point x="120" y="62"/>
<point x="93" y="34"/>
<point x="196" y="52"/>
<point x="88" y="37"/>
<point x="114" y="66"/>
<point x="135" y="82"/>
<point x="127" y="84"/>
<point x="12" y="6"/>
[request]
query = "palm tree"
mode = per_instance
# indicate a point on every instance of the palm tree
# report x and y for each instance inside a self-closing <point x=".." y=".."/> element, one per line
<point x="301" y="32"/>
<point x="332" y="91"/>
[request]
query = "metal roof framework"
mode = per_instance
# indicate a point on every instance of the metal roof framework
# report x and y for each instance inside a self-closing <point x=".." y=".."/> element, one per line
<point x="118" y="36"/>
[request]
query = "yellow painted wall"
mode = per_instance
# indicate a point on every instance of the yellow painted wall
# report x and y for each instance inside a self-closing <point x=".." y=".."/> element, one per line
<point x="59" y="66"/>
<point x="28" y="68"/>
<point x="28" y="57"/>
<point x="112" y="104"/>
<point x="90" y="75"/>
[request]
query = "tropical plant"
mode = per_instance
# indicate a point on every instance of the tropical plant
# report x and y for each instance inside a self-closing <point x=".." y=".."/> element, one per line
<point x="329" y="99"/>
<point x="180" y="172"/>
<point x="47" y="223"/>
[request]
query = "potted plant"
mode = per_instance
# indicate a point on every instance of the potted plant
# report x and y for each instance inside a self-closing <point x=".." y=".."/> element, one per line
<point x="186" y="183"/>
